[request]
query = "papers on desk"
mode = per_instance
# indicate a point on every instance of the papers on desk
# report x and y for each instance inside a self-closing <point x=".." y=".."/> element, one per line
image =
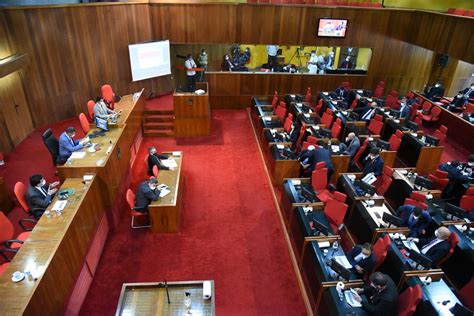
<point x="342" y="260"/>
<point x="349" y="296"/>
<point x="176" y="153"/>
<point x="410" y="245"/>
<point x="352" y="177"/>
<point x="280" y="146"/>
<point x="87" y="177"/>
<point x="267" y="118"/>
<point x="334" y="102"/>
<point x="335" y="148"/>
<point x="59" y="205"/>
<point x="360" y="91"/>
<point x="164" y="192"/>
<point x="299" y="104"/>
<point x="170" y="163"/>
<point x="369" y="178"/>
<point x="77" y="155"/>
<point x="325" y="93"/>
<point x="324" y="244"/>
<point x="292" y="96"/>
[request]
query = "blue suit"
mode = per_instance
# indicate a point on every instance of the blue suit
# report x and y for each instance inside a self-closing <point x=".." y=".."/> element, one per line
<point x="145" y="196"/>
<point x="366" y="264"/>
<point x="67" y="146"/>
<point x="416" y="226"/>
<point x="374" y="166"/>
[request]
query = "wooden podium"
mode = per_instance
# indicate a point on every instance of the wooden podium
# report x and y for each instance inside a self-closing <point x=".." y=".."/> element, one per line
<point x="192" y="112"/>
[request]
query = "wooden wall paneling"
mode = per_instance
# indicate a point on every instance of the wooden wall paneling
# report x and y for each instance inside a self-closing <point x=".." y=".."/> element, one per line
<point x="461" y="78"/>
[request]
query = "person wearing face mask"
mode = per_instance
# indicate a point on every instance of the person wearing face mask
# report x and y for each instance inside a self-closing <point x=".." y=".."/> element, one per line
<point x="351" y="145"/>
<point x="437" y="247"/>
<point x="362" y="259"/>
<point x="227" y="65"/>
<point x="39" y="194"/>
<point x="68" y="145"/>
<point x="415" y="218"/>
<point x="154" y="159"/>
<point x="313" y="63"/>
<point x="457" y="178"/>
<point x="404" y="108"/>
<point x="147" y="192"/>
<point x="189" y="65"/>
<point x="380" y="297"/>
<point x="373" y="163"/>
<point x="436" y="92"/>
<point x="329" y="61"/>
<point x="101" y="110"/>
<point x="202" y="61"/>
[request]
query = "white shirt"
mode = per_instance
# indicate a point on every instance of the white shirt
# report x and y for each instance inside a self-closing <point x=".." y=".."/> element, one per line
<point x="313" y="68"/>
<point x="272" y="50"/>
<point x="360" y="257"/>
<point x="425" y="248"/>
<point x="189" y="63"/>
<point x="368" y="114"/>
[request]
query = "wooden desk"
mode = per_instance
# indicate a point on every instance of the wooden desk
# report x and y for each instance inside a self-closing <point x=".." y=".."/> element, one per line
<point x="341" y="165"/>
<point x="414" y="153"/>
<point x="192" y="112"/>
<point x="110" y="168"/>
<point x="165" y="213"/>
<point x="151" y="299"/>
<point x="59" y="244"/>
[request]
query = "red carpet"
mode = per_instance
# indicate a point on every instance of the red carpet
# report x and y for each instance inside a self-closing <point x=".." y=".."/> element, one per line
<point x="230" y="231"/>
<point x="163" y="102"/>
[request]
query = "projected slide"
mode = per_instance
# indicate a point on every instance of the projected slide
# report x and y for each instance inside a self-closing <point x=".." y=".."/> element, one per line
<point x="150" y="60"/>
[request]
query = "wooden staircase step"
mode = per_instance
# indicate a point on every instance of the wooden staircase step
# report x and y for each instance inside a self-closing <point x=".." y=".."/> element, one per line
<point x="158" y="133"/>
<point x="159" y="118"/>
<point x="159" y="112"/>
<point x="158" y="125"/>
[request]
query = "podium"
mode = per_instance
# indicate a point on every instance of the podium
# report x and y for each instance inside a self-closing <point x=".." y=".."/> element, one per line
<point x="192" y="112"/>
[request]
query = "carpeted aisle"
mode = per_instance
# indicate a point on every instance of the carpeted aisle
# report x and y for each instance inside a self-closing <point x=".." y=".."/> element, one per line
<point x="230" y="231"/>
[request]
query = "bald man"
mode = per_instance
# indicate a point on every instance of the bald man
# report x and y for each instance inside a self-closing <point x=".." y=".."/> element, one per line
<point x="367" y="112"/>
<point x="437" y="247"/>
<point x="351" y="145"/>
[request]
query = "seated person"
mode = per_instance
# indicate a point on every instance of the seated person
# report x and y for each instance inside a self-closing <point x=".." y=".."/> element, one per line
<point x="456" y="180"/>
<point x="362" y="259"/>
<point x="307" y="161"/>
<point x="154" y="158"/>
<point x="404" y="108"/>
<point x="347" y="63"/>
<point x="351" y="145"/>
<point x="323" y="154"/>
<point x="227" y="65"/>
<point x="457" y="103"/>
<point x="436" y="92"/>
<point x="39" y="194"/>
<point x="381" y="296"/>
<point x="437" y="247"/>
<point x="294" y="133"/>
<point x="366" y="113"/>
<point x="468" y="167"/>
<point x="147" y="192"/>
<point x="67" y="144"/>
<point x="342" y="93"/>
<point x="101" y="110"/>
<point x="373" y="163"/>
<point x="415" y="218"/>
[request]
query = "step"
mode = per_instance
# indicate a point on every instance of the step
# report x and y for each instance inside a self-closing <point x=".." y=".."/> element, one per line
<point x="159" y="118"/>
<point x="158" y="133"/>
<point x="159" y="112"/>
<point x="158" y="126"/>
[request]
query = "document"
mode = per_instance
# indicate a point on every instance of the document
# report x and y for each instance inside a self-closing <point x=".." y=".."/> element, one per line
<point x="77" y="155"/>
<point x="164" y="192"/>
<point x="342" y="260"/>
<point x="349" y="296"/>
<point x="280" y="146"/>
<point x="170" y="163"/>
<point x="335" y="148"/>
<point x="59" y="205"/>
<point x="324" y="244"/>
<point x="410" y="245"/>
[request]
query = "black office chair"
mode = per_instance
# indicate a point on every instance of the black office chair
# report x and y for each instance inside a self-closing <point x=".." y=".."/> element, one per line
<point x="52" y="144"/>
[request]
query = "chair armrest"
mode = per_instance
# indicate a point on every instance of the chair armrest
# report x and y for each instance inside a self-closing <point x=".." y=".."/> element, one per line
<point x="3" y="251"/>
<point x="27" y="220"/>
<point x="9" y="242"/>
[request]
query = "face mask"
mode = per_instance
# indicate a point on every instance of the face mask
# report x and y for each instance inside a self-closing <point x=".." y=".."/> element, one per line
<point x="72" y="136"/>
<point x="227" y="58"/>
<point x="153" y="187"/>
<point x="204" y="53"/>
<point x="42" y="182"/>
<point x="312" y="55"/>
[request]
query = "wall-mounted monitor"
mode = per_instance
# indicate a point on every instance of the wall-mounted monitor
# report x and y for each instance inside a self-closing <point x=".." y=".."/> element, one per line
<point x="332" y="27"/>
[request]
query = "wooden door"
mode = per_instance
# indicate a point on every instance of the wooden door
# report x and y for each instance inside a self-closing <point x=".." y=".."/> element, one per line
<point x="14" y="109"/>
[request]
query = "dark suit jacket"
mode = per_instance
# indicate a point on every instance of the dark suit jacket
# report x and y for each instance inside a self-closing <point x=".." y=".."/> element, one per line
<point x="405" y="211"/>
<point x="405" y="111"/>
<point x="309" y="155"/>
<point x="155" y="160"/>
<point x="381" y="303"/>
<point x="145" y="196"/>
<point x="374" y="166"/>
<point x="341" y="92"/>
<point x="322" y="154"/>
<point x="37" y="201"/>
<point x="367" y="264"/>
<point x="438" y="251"/>
<point x="353" y="147"/>
<point x="362" y="111"/>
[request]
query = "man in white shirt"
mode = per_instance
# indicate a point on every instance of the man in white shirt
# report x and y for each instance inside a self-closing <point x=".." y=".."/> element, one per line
<point x="313" y="63"/>
<point x="437" y="247"/>
<point x="272" y="51"/>
<point x="189" y="64"/>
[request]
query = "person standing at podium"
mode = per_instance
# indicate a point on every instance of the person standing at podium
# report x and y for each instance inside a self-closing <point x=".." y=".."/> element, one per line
<point x="189" y="64"/>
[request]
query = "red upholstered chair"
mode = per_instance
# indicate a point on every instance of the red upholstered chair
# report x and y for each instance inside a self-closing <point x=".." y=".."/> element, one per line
<point x="353" y="105"/>
<point x="312" y="140"/>
<point x="90" y="109"/>
<point x="319" y="177"/>
<point x="336" y="128"/>
<point x="453" y="241"/>
<point x="410" y="95"/>
<point x="451" y="10"/>
<point x="300" y="136"/>
<point x="7" y="232"/>
<point x="108" y="95"/>
<point x="380" y="252"/>
<point x="413" y="110"/>
<point x="335" y="210"/>
<point x="145" y="160"/>
<point x="469" y="108"/>
<point x="3" y="267"/>
<point x="426" y="107"/>
<point x="275" y="101"/>
<point x="378" y="117"/>
<point x="383" y="183"/>
<point x="433" y="116"/>
<point x="440" y="133"/>
<point x="155" y="171"/>
<point x="130" y="197"/>
<point x="319" y="106"/>
<point x="20" y="193"/>
<point x="467" y="200"/>
<point x="440" y="180"/>
<point x="379" y="89"/>
<point x="84" y="123"/>
<point x="305" y="145"/>
<point x="356" y="157"/>
<point x="417" y="199"/>
<point x="376" y="5"/>
<point x="391" y="100"/>
<point x="418" y="119"/>
<point x="465" y="295"/>
<point x="375" y="126"/>
<point x="282" y="104"/>
<point x="405" y="301"/>
<point x="459" y="11"/>
<point x="308" y="95"/>
<point x="395" y="141"/>
<point x="287" y="125"/>
<point x="327" y="118"/>
<point x="281" y="113"/>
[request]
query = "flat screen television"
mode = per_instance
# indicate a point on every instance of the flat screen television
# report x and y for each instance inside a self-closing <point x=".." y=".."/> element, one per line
<point x="332" y="27"/>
